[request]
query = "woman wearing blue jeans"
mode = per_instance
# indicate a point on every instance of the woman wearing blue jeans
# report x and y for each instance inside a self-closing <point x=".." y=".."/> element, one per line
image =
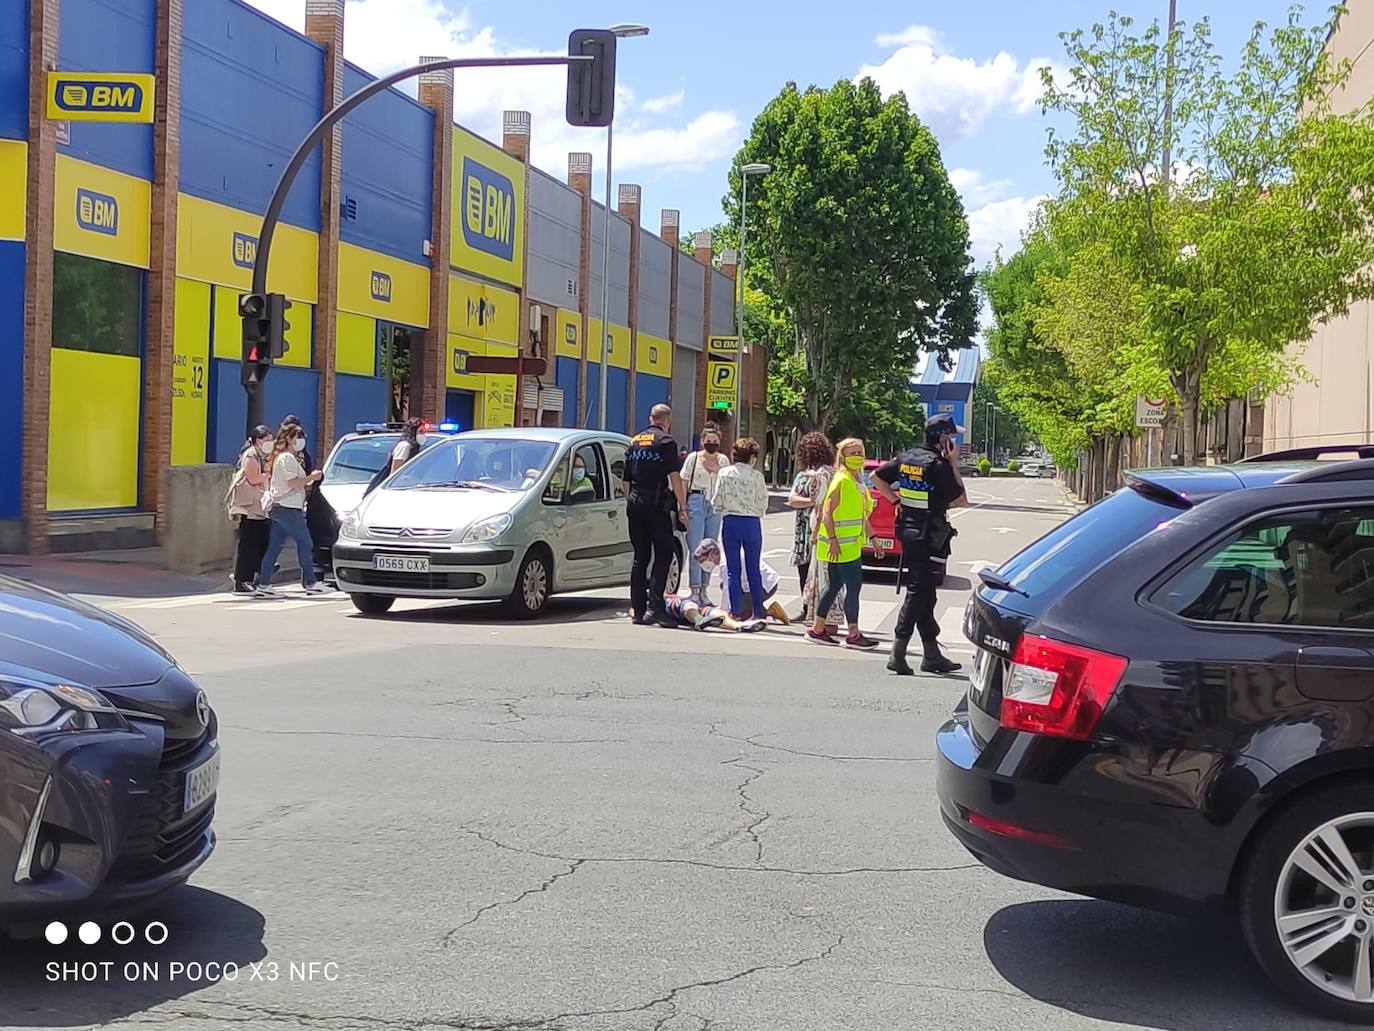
<point x="287" y="480"/>
<point x="700" y="471"/>
<point x="741" y="498"/>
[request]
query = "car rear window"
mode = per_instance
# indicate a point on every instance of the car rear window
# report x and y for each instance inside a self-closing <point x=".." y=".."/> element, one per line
<point x="1072" y="550"/>
<point x="357" y="460"/>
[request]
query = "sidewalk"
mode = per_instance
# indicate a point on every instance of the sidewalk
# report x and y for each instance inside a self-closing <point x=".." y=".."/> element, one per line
<point x="140" y="573"/>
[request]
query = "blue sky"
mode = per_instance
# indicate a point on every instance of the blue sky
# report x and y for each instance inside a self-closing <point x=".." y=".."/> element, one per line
<point x="691" y="88"/>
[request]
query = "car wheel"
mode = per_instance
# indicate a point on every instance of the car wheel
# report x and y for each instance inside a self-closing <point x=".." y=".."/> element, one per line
<point x="674" y="578"/>
<point x="1307" y="902"/>
<point x="532" y="586"/>
<point x="372" y="604"/>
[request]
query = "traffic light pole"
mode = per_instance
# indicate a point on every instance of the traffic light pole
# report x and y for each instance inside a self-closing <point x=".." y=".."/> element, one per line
<point x="256" y="399"/>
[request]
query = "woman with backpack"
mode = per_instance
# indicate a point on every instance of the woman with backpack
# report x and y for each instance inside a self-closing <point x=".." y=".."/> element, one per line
<point x="284" y="502"/>
<point x="244" y="504"/>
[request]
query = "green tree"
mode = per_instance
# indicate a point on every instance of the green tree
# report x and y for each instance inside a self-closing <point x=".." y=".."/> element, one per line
<point x="1264" y="228"/>
<point x="859" y="242"/>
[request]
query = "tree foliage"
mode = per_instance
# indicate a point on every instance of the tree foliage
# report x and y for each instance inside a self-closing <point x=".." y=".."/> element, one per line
<point x="859" y="245"/>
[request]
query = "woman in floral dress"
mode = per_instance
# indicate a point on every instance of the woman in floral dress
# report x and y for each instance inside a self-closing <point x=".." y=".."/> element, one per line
<point x="816" y="464"/>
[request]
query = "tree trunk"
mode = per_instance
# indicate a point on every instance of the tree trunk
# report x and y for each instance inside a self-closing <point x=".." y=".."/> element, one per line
<point x="1192" y="385"/>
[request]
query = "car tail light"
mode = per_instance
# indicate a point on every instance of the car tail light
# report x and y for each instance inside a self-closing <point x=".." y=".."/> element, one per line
<point x="1011" y="830"/>
<point x="1058" y="689"/>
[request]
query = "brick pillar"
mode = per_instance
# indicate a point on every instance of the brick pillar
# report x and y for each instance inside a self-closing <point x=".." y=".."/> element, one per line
<point x="668" y="220"/>
<point x="44" y="16"/>
<point x="580" y="179"/>
<point x="436" y="93"/>
<point x="160" y="347"/>
<point x="515" y="141"/>
<point x="702" y="243"/>
<point x="324" y="23"/>
<point x="628" y="205"/>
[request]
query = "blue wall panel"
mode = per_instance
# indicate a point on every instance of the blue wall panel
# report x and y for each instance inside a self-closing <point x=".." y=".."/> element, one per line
<point x="14" y="70"/>
<point x="617" y="397"/>
<point x="594" y="394"/>
<point x="357" y="399"/>
<point x="109" y="36"/>
<point x="250" y="90"/>
<point x="566" y="372"/>
<point x="649" y="391"/>
<point x="288" y="391"/>
<point x="11" y="375"/>
<point x="388" y="148"/>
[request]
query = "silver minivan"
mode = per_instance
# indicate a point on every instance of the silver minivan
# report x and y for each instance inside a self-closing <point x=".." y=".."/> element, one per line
<point x="494" y="514"/>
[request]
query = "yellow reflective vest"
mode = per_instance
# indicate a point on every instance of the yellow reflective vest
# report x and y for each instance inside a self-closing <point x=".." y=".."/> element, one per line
<point x="850" y="513"/>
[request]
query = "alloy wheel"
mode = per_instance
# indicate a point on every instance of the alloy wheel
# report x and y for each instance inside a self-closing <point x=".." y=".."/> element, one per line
<point x="1324" y="907"/>
<point x="534" y="587"/>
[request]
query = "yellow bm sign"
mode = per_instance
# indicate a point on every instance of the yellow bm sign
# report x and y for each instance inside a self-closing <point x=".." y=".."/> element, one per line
<point x="100" y="97"/>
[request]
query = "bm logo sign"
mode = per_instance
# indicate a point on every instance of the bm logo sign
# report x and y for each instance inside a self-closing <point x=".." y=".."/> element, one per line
<point x="488" y="210"/>
<point x="97" y="97"/>
<point x="245" y="250"/>
<point x="381" y="287"/>
<point x="97" y="212"/>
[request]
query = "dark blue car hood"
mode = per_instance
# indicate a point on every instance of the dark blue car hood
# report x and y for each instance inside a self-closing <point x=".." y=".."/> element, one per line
<point x="50" y="637"/>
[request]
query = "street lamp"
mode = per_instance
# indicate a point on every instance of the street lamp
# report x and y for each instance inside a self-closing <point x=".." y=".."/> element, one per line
<point x="753" y="168"/>
<point x="621" y="32"/>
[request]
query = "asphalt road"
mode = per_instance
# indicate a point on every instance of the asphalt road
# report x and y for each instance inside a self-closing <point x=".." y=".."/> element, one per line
<point x="442" y="820"/>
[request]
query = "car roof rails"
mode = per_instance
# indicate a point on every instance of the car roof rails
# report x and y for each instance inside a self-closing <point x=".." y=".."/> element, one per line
<point x="1333" y="472"/>
<point x="1307" y="454"/>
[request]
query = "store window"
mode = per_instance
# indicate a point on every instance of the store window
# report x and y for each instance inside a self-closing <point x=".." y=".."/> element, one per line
<point x="97" y="305"/>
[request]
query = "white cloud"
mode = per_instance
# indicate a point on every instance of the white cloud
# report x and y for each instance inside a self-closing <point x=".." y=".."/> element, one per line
<point x="999" y="224"/>
<point x="977" y="190"/>
<point x="657" y="105"/>
<point x="953" y="95"/>
<point x="384" y="35"/>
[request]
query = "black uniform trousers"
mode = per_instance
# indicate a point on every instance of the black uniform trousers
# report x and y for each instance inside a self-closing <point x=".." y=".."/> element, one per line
<point x="919" y="573"/>
<point x="651" y="536"/>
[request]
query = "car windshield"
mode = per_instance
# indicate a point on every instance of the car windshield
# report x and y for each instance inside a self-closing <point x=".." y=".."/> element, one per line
<point x="479" y="463"/>
<point x="357" y="460"/>
<point x="1072" y="550"/>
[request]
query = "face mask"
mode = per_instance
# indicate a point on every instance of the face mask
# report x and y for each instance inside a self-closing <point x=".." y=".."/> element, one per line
<point x="265" y="447"/>
<point x="579" y="475"/>
<point x="298" y="445"/>
<point x="711" y="449"/>
<point x="854" y="462"/>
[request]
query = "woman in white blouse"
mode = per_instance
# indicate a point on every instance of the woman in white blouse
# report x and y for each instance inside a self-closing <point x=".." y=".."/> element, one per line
<point x="700" y="471"/>
<point x="741" y="497"/>
<point x="287" y="481"/>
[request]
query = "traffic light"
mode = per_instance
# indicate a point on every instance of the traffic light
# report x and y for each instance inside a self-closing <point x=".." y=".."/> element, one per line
<point x="256" y="336"/>
<point x="277" y="305"/>
<point x="591" y="84"/>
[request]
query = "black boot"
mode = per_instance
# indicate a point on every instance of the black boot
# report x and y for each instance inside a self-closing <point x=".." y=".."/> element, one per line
<point x="896" y="662"/>
<point x="934" y="662"/>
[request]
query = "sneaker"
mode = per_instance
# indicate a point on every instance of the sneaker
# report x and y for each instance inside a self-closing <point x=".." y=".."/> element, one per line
<point x="861" y="642"/>
<point x="265" y="592"/>
<point x="242" y="588"/>
<point x="821" y="638"/>
<point x="316" y="588"/>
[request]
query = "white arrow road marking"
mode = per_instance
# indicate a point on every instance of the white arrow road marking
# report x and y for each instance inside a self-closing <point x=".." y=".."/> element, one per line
<point x="1003" y="529"/>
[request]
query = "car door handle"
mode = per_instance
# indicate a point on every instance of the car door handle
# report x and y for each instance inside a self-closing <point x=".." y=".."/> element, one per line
<point x="612" y="514"/>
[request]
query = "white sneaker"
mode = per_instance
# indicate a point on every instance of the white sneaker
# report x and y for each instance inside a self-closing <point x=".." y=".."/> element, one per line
<point x="317" y="588"/>
<point x="265" y="592"/>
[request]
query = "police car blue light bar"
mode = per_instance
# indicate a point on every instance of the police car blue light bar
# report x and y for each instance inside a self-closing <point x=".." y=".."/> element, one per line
<point x="371" y="427"/>
<point x="449" y="427"/>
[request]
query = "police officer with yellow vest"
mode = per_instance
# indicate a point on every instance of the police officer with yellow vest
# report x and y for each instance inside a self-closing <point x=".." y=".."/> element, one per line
<point x="923" y="483"/>
<point x="656" y="503"/>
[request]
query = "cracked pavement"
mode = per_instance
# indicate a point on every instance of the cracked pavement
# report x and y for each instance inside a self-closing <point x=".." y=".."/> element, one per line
<point x="584" y="826"/>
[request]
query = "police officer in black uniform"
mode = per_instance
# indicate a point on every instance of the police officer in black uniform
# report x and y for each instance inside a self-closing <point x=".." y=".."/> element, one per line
<point x="923" y="483"/>
<point x="657" y="502"/>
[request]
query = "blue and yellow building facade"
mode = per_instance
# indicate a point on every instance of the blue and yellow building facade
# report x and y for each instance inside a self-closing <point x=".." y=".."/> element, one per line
<point x="124" y="247"/>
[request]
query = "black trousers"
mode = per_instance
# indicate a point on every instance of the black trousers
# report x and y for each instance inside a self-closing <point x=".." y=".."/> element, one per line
<point x="651" y="536"/>
<point x="252" y="545"/>
<point x="917" y="616"/>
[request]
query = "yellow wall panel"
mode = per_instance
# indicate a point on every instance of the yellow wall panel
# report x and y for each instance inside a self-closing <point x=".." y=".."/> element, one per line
<point x="93" y="422"/>
<point x="14" y="169"/>
<point x="620" y="344"/>
<point x="299" y="336"/>
<point x="217" y="244"/>
<point x="228" y="335"/>
<point x="190" y="372"/>
<point x="498" y="407"/>
<point x="488" y="227"/>
<point x="653" y="355"/>
<point x="100" y="213"/>
<point x="355" y="344"/>
<point x="483" y="310"/>
<point x="460" y="348"/>
<point x="567" y="333"/>
<point x="383" y="287"/>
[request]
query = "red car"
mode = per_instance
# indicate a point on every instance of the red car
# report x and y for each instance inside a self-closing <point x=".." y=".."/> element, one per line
<point x="883" y="521"/>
